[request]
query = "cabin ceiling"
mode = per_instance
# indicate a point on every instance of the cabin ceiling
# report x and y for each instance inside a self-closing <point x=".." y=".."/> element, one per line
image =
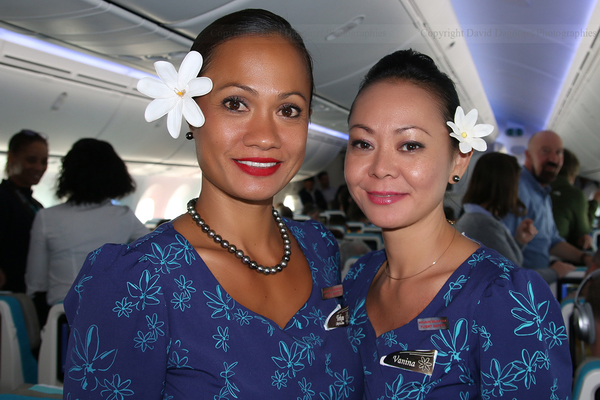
<point x="495" y="50"/>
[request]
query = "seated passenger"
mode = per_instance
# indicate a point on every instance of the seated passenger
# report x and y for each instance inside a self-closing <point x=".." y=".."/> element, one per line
<point x="62" y="236"/>
<point x="492" y="193"/>
<point x="570" y="205"/>
<point x="543" y="160"/>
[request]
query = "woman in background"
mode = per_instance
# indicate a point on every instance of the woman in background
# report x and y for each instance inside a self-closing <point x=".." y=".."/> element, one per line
<point x="493" y="192"/>
<point x="435" y="315"/>
<point x="229" y="300"/>
<point x="92" y="175"/>
<point x="25" y="165"/>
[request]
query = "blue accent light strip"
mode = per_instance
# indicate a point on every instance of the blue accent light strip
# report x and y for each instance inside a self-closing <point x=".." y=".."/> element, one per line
<point x="327" y="131"/>
<point x="69" y="54"/>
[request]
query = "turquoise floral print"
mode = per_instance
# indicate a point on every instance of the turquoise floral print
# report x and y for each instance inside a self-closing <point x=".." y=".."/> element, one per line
<point x="505" y="336"/>
<point x="154" y="322"/>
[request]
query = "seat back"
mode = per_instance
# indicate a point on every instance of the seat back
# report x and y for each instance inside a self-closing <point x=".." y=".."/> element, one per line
<point x="587" y="379"/>
<point x="52" y="348"/>
<point x="17" y="364"/>
<point x="566" y="308"/>
<point x="31" y="320"/>
<point x="374" y="241"/>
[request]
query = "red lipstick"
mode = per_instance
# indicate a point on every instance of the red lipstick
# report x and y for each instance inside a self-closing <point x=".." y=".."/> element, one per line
<point x="258" y="166"/>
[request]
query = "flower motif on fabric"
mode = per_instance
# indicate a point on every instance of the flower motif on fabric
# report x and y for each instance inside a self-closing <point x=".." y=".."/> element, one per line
<point x="178" y="357"/>
<point x="174" y="93"/>
<point x="79" y="288"/>
<point x="146" y="290"/>
<point x="87" y="358"/>
<point x="155" y="326"/>
<point x="500" y="379"/>
<point x="343" y="382"/>
<point x="243" y="317"/>
<point x="279" y="380"/>
<point x="306" y="389"/>
<point x="180" y="301"/>
<point x="229" y="388"/>
<point x="390" y="338"/>
<point x="222" y="337"/>
<point x="555" y="335"/>
<point x="221" y="302"/>
<point x="115" y="389"/>
<point x="451" y="343"/>
<point x="452" y="286"/>
<point x="468" y="133"/>
<point x="530" y="313"/>
<point x="123" y="307"/>
<point x="309" y="342"/>
<point x="185" y="286"/>
<point x="289" y="358"/>
<point x="504" y="264"/>
<point x="144" y="341"/>
<point x="93" y="255"/>
<point x="166" y="258"/>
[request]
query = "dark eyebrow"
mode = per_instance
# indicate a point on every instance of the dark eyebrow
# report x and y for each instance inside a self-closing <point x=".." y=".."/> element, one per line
<point x="289" y="94"/>
<point x="398" y="131"/>
<point x="255" y="93"/>
<point x="237" y="85"/>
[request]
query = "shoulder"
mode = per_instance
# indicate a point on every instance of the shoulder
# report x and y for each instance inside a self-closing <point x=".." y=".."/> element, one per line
<point x="495" y="272"/>
<point x="363" y="270"/>
<point x="311" y="230"/>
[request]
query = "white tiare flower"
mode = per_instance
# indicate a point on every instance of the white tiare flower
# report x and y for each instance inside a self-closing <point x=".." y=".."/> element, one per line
<point x="467" y="132"/>
<point x="174" y="93"/>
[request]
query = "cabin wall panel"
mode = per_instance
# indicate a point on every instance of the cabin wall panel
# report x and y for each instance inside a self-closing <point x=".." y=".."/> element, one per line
<point x="84" y="113"/>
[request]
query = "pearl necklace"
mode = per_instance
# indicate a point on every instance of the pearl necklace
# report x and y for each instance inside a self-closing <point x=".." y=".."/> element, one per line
<point x="287" y="247"/>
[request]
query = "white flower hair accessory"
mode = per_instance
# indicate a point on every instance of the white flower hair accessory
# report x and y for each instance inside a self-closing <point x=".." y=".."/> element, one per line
<point x="174" y="93"/>
<point x="467" y="132"/>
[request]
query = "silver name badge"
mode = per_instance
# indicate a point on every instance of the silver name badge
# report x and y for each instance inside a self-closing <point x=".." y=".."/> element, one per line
<point x="421" y="361"/>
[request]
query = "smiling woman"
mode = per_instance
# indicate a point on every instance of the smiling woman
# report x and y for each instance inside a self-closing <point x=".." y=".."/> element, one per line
<point x="195" y="318"/>
<point x="436" y="315"/>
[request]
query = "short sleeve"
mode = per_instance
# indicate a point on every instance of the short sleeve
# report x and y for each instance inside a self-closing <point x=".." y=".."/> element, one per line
<point x="524" y="350"/>
<point x="118" y="342"/>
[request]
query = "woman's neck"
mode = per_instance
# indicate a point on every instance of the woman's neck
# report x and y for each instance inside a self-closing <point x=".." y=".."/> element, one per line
<point x="245" y="224"/>
<point x="411" y="249"/>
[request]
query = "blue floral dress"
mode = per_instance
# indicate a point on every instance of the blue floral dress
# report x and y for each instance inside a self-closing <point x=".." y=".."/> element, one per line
<point x="150" y="321"/>
<point x="496" y="329"/>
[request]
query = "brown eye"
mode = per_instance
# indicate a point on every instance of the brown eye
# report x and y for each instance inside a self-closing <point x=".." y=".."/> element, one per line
<point x="289" y="111"/>
<point x="234" y="104"/>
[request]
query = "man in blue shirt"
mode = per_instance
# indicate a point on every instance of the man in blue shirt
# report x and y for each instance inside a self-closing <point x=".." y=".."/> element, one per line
<point x="543" y="160"/>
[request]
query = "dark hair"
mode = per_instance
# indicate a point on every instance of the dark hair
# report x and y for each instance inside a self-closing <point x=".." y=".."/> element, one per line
<point x="93" y="172"/>
<point x="494" y="185"/>
<point x="24" y="138"/>
<point x="419" y="69"/>
<point x="322" y="173"/>
<point x="247" y="23"/>
<point x="570" y="165"/>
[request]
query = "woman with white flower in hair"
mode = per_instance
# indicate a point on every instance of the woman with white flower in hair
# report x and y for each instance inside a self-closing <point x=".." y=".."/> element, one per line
<point x="436" y="315"/>
<point x="228" y="300"/>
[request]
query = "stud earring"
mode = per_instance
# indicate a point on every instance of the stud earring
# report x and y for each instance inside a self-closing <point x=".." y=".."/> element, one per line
<point x="456" y="178"/>
<point x="189" y="136"/>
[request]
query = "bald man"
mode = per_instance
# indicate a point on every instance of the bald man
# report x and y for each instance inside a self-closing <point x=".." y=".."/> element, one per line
<point x="543" y="160"/>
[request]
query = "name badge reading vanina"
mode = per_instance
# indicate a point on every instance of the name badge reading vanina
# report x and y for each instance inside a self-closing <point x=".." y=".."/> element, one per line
<point x="338" y="317"/>
<point x="421" y="361"/>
